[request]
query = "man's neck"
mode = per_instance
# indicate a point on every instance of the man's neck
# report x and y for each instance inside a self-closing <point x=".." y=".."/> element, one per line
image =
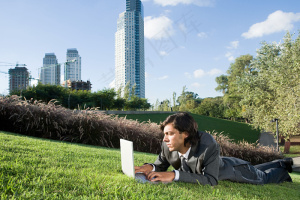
<point x="185" y="148"/>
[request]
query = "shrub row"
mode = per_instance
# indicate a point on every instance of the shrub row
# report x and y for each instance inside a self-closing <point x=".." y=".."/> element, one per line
<point x="252" y="153"/>
<point x="34" y="118"/>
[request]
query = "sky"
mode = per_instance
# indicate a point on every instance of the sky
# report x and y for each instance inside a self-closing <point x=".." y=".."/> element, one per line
<point x="187" y="42"/>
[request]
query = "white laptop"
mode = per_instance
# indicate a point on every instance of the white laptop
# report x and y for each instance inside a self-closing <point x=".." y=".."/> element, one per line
<point x="127" y="161"/>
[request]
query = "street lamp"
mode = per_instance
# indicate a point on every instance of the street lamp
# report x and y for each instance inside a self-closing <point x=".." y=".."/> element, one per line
<point x="277" y="133"/>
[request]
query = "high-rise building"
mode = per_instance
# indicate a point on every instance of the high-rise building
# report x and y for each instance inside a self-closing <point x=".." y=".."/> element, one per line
<point x="129" y="49"/>
<point x="18" y="78"/>
<point x="72" y="66"/>
<point x="50" y="72"/>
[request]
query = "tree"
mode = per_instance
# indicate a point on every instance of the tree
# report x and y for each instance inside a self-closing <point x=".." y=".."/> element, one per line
<point x="174" y="101"/>
<point x="222" y="82"/>
<point x="229" y="86"/>
<point x="119" y="103"/>
<point x="274" y="90"/>
<point x="104" y="99"/>
<point x="127" y="91"/>
<point x="181" y="100"/>
<point x="212" y="107"/>
<point x="187" y="100"/>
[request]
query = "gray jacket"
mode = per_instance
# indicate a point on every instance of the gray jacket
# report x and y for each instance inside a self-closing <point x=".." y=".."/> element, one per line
<point x="206" y="164"/>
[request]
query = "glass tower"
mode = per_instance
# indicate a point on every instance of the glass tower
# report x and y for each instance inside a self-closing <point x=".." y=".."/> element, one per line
<point x="50" y="72"/>
<point x="129" y="49"/>
<point x="72" y="66"/>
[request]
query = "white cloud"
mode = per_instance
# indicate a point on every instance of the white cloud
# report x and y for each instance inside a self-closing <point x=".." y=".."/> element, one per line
<point x="182" y="27"/>
<point x="197" y="85"/>
<point x="163" y="53"/>
<point x="199" y="73"/>
<point x="214" y="72"/>
<point x="158" y="27"/>
<point x="229" y="56"/>
<point x="276" y="22"/>
<point x="163" y="77"/>
<point x="201" y="3"/>
<point x="202" y="35"/>
<point x="233" y="45"/>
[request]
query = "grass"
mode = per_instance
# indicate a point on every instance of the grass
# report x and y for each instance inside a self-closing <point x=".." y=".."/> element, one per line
<point x="32" y="168"/>
<point x="235" y="130"/>
<point x="294" y="151"/>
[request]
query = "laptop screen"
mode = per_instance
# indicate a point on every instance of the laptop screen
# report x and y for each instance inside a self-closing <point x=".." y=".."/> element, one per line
<point x="127" y="157"/>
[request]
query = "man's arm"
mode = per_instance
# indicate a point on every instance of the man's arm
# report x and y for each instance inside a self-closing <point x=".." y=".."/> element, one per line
<point x="161" y="164"/>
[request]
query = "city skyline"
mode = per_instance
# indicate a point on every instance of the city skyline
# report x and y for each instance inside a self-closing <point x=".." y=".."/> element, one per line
<point x="187" y="43"/>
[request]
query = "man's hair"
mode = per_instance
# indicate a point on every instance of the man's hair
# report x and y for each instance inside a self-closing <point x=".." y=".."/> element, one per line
<point x="183" y="122"/>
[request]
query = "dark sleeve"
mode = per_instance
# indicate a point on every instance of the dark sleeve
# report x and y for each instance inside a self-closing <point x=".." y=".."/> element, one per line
<point x="210" y="168"/>
<point x="161" y="163"/>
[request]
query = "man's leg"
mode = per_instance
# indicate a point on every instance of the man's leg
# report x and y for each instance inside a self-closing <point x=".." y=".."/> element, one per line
<point x="275" y="171"/>
<point x="276" y="175"/>
<point x="285" y="163"/>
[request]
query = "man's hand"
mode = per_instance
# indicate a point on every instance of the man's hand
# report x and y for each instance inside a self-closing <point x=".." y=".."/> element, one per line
<point x="161" y="176"/>
<point x="146" y="169"/>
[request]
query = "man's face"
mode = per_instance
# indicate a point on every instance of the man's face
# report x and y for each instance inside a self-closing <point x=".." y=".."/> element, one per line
<point x="174" y="139"/>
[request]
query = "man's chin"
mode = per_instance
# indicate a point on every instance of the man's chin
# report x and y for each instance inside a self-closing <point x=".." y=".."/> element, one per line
<point x="171" y="149"/>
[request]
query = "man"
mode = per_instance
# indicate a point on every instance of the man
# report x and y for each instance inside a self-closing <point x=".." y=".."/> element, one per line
<point x="195" y="157"/>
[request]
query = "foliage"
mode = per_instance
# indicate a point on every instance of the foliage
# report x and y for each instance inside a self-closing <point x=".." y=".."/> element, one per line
<point x="274" y="90"/>
<point x="232" y="96"/>
<point x="222" y="82"/>
<point x="41" y="169"/>
<point x="88" y="126"/>
<point x="246" y="151"/>
<point x="136" y="103"/>
<point x="106" y="99"/>
<point x="212" y="107"/>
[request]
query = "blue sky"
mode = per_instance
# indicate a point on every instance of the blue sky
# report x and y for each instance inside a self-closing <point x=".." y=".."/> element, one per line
<point x="187" y="42"/>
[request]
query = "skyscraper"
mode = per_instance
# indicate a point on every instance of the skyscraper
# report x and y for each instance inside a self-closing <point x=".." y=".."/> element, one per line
<point x="18" y="78"/>
<point x="50" y="72"/>
<point x="73" y="65"/>
<point x="129" y="48"/>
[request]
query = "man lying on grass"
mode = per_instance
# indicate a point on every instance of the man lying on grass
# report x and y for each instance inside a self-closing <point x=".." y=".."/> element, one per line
<point x="195" y="157"/>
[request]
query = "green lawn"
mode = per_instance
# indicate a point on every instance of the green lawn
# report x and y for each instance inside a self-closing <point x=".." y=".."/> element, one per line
<point x="235" y="130"/>
<point x="32" y="168"/>
<point x="294" y="151"/>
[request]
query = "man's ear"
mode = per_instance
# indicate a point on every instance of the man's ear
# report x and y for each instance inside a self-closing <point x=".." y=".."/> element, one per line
<point x="185" y="134"/>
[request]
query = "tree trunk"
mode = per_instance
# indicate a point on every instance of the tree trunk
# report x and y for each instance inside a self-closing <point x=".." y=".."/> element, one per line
<point x="287" y="146"/>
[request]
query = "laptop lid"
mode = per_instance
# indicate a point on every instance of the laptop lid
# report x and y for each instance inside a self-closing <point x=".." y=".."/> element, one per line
<point x="127" y="160"/>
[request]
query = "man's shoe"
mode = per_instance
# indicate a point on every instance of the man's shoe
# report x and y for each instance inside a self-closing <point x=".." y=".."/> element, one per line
<point x="288" y="164"/>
